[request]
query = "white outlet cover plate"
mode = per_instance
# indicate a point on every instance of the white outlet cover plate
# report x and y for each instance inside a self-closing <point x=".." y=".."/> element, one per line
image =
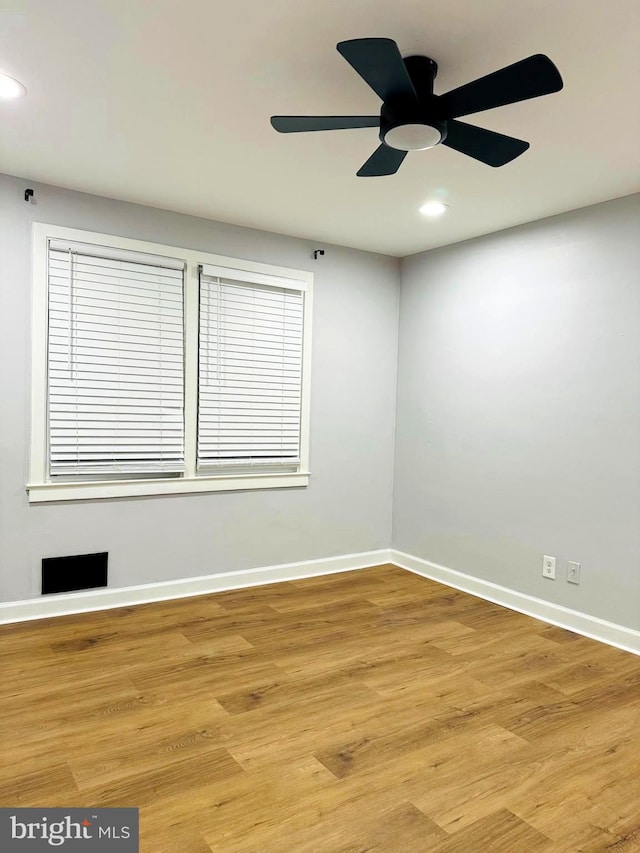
<point x="573" y="572"/>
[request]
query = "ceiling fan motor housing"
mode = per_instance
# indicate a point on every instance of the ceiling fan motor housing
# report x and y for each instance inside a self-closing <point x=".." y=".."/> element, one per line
<point x="411" y="124"/>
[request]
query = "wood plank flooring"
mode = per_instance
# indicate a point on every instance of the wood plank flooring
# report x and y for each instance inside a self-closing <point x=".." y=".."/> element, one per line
<point x="364" y="711"/>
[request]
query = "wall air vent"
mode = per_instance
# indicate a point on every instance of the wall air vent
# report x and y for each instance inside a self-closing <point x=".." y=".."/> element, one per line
<point x="71" y="574"/>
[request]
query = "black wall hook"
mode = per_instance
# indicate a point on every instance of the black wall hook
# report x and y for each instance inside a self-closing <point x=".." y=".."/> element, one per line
<point x="317" y="252"/>
<point x="28" y="194"/>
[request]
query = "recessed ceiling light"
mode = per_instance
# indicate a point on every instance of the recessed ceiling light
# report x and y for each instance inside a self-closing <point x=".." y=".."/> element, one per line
<point x="434" y="208"/>
<point x="10" y="88"/>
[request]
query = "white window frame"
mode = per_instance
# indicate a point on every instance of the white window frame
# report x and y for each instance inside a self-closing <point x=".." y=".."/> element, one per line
<point x="41" y="489"/>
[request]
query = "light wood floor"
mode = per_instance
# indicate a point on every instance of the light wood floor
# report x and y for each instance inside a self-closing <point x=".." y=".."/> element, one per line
<point x="366" y="711"/>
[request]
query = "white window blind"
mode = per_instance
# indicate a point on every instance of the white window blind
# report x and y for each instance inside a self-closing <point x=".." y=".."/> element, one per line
<point x="115" y="362"/>
<point x="250" y="374"/>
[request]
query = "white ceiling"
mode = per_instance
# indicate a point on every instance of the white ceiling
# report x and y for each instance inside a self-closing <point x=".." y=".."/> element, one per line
<point x="167" y="103"/>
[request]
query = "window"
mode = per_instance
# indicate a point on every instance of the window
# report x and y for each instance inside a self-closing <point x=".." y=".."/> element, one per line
<point x="115" y="353"/>
<point x="249" y="384"/>
<point x="160" y="370"/>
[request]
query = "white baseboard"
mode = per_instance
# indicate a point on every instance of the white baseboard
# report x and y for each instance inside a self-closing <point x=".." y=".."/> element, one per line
<point x="581" y="623"/>
<point x="105" y="599"/>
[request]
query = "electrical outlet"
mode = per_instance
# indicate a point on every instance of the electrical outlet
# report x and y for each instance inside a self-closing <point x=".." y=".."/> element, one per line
<point x="549" y="567"/>
<point x="573" y="572"/>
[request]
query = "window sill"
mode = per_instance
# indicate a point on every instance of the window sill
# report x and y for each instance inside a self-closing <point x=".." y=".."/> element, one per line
<point x="47" y="492"/>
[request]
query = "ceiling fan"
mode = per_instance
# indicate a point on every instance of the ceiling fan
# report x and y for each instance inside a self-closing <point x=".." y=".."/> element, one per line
<point x="413" y="118"/>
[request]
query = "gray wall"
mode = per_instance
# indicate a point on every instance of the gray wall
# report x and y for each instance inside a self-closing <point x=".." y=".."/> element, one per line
<point x="346" y="508"/>
<point x="518" y="411"/>
<point x="518" y="420"/>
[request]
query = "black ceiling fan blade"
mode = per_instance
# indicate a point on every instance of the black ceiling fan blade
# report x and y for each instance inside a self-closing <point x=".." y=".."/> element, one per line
<point x="379" y="63"/>
<point x="529" y="78"/>
<point x="299" y="124"/>
<point x="494" y="149"/>
<point x="383" y="161"/>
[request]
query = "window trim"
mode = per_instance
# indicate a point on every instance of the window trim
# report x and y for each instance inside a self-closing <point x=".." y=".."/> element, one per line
<point x="42" y="489"/>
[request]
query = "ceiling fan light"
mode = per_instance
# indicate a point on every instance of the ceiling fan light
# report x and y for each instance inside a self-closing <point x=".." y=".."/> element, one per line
<point x="10" y="88"/>
<point x="412" y="137"/>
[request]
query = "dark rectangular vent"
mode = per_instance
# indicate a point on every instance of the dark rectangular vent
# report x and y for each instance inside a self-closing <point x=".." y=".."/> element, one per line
<point x="70" y="574"/>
